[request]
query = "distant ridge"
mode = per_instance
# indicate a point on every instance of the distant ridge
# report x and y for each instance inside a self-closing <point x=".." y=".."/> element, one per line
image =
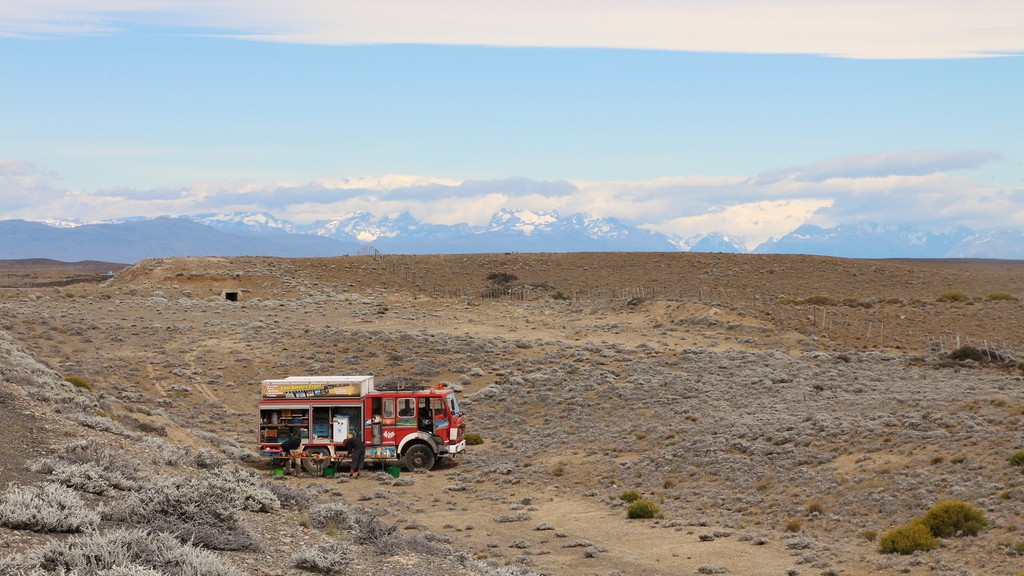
<point x="133" y="241"/>
<point x="262" y="234"/>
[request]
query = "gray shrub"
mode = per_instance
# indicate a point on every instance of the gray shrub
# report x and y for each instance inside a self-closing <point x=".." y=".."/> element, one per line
<point x="91" y="477"/>
<point x="122" y="552"/>
<point x="46" y="508"/>
<point x="325" y="558"/>
<point x="199" y="510"/>
<point x="338" y="514"/>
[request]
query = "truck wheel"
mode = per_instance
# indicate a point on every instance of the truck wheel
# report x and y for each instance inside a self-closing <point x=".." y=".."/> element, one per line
<point x="419" y="457"/>
<point x="315" y="466"/>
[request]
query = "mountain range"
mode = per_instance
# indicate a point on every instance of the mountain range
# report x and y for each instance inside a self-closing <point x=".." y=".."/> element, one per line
<point x="247" y="233"/>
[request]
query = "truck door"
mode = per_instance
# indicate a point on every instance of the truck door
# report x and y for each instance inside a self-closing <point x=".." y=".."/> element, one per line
<point x="425" y="420"/>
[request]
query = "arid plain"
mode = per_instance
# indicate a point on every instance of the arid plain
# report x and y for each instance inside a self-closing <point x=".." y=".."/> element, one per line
<point x="782" y="411"/>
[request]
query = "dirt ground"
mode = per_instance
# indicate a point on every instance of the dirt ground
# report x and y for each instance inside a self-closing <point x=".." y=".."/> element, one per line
<point x="186" y="341"/>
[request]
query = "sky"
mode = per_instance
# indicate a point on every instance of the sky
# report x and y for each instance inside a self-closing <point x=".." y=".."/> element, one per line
<point x="686" y="117"/>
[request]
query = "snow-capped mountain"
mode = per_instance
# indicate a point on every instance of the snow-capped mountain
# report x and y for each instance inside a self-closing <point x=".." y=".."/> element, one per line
<point x="1008" y="244"/>
<point x="245" y="223"/>
<point x="365" y="227"/>
<point x="524" y="222"/>
<point x="865" y="240"/>
<point x="130" y="239"/>
<point x="713" y="242"/>
<point x="128" y="242"/>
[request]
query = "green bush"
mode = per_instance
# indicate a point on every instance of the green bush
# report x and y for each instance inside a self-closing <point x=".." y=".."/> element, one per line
<point x="643" y="509"/>
<point x="630" y="496"/>
<point x="870" y="535"/>
<point x="907" y="539"/>
<point x="952" y="296"/>
<point x="1017" y="459"/>
<point x="1001" y="296"/>
<point x="561" y="296"/>
<point x="79" y="382"/>
<point x="474" y="439"/>
<point x="954" y="518"/>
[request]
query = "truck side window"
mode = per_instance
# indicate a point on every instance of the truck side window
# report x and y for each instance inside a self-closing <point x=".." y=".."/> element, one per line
<point x="389" y="408"/>
<point x="406" y="407"/>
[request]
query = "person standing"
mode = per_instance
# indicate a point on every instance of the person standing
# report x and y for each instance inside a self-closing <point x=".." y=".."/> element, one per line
<point x="356" y="449"/>
<point x="293" y="442"/>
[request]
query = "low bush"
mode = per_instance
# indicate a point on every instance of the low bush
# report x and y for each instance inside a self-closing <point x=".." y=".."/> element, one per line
<point x="952" y="296"/>
<point x="908" y="539"/>
<point x="630" y="496"/>
<point x="1002" y="296"/>
<point x="954" y="518"/>
<point x="337" y="514"/>
<point x="79" y="382"/>
<point x="201" y="510"/>
<point x="325" y="558"/>
<point x="1017" y="459"/>
<point x="46" y="508"/>
<point x="91" y="477"/>
<point x="793" y="525"/>
<point x="474" y="439"/>
<point x="251" y="490"/>
<point x="967" y="353"/>
<point x="643" y="509"/>
<point x="130" y="552"/>
<point x="102" y="424"/>
<point x="289" y="496"/>
<point x="383" y="538"/>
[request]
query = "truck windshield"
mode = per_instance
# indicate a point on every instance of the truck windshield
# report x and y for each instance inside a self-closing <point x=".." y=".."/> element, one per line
<point x="453" y="404"/>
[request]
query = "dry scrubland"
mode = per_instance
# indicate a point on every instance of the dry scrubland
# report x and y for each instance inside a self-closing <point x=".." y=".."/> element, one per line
<point x="783" y="412"/>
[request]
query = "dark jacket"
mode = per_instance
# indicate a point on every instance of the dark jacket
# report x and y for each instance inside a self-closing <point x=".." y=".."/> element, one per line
<point x="290" y="444"/>
<point x="354" y="446"/>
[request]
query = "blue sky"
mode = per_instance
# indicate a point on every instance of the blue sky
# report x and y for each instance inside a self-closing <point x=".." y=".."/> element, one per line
<point x="685" y="117"/>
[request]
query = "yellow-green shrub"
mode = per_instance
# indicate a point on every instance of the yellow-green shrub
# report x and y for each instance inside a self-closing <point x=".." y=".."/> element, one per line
<point x="630" y="496"/>
<point x="643" y="509"/>
<point x="954" y="518"/>
<point x="1001" y="296"/>
<point x="907" y="539"/>
<point x="79" y="382"/>
<point x="1017" y="459"/>
<point x="952" y="296"/>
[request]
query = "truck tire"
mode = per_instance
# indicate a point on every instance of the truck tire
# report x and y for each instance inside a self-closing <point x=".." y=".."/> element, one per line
<point x="419" y="457"/>
<point x="316" y="467"/>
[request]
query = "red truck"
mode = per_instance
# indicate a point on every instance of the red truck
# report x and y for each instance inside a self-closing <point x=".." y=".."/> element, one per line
<point x="417" y="426"/>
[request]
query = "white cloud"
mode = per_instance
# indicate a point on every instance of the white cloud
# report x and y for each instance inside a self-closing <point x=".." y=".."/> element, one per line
<point x="846" y="28"/>
<point x="915" y="162"/>
<point x="755" y="222"/>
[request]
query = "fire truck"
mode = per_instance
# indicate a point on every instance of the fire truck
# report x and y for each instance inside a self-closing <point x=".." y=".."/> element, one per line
<point x="417" y="426"/>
